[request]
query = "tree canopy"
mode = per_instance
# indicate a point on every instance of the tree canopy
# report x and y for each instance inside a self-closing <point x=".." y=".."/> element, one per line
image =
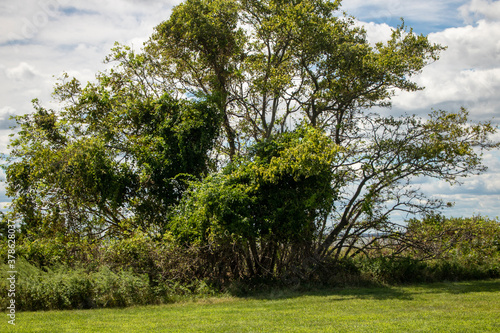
<point x="246" y="126"/>
<point x="107" y="162"/>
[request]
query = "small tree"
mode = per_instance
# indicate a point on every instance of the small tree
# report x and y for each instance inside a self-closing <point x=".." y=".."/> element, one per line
<point x="269" y="206"/>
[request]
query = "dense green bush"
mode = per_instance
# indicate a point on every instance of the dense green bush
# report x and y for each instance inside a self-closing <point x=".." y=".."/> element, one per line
<point x="119" y="289"/>
<point x="266" y="208"/>
<point x="472" y="241"/>
<point x="392" y="270"/>
<point x="131" y="271"/>
<point x="137" y="269"/>
<point x="163" y="261"/>
<point x="436" y="248"/>
<point x="63" y="287"/>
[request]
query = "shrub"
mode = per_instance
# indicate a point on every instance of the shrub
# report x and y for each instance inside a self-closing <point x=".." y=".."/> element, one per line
<point x="59" y="288"/>
<point x="63" y="287"/>
<point x="474" y="241"/>
<point x="457" y="270"/>
<point x="393" y="270"/>
<point x="119" y="289"/>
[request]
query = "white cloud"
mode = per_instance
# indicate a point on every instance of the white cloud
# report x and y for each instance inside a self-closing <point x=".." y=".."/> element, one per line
<point x="463" y="87"/>
<point x="6" y="112"/>
<point x="75" y="37"/>
<point x="48" y="37"/>
<point x="84" y="21"/>
<point x="21" y="72"/>
<point x="473" y="46"/>
<point x="490" y="10"/>
<point x="24" y="19"/>
<point x="468" y="73"/>
<point x="44" y="38"/>
<point x="4" y="142"/>
<point x="474" y="204"/>
<point x="376" y="32"/>
<point x="475" y="194"/>
<point x="5" y="122"/>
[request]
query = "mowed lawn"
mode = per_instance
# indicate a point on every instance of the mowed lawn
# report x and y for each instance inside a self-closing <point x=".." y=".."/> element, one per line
<point x="442" y="307"/>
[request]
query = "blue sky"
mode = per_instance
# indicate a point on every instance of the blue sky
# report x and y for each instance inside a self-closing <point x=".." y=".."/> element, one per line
<point x="40" y="39"/>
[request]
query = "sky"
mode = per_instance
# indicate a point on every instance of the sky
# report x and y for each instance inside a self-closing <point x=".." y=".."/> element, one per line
<point x="41" y="39"/>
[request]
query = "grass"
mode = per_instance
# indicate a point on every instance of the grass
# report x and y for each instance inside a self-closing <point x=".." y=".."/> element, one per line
<point x="440" y="307"/>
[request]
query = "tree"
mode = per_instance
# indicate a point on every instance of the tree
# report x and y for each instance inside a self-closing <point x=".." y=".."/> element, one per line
<point x="298" y="60"/>
<point x="273" y="60"/>
<point x="381" y="164"/>
<point x="112" y="160"/>
<point x="268" y="105"/>
<point x="264" y="206"/>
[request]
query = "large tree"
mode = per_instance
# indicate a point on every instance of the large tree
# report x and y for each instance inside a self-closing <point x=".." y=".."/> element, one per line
<point x="242" y="91"/>
<point x="273" y="62"/>
<point x="276" y="63"/>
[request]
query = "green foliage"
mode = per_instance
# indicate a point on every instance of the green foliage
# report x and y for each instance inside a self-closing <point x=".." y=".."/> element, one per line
<point x="207" y="29"/>
<point x="274" y="197"/>
<point x="272" y="60"/>
<point x="46" y="252"/>
<point x="280" y="189"/>
<point x="86" y="171"/>
<point x="437" y="248"/>
<point x="122" y="289"/>
<point x="407" y="270"/>
<point x="379" y="171"/>
<point x="240" y="143"/>
<point x="136" y="252"/>
<point x="394" y="270"/>
<point x="63" y="287"/>
<point x="66" y="288"/>
<point x="474" y="240"/>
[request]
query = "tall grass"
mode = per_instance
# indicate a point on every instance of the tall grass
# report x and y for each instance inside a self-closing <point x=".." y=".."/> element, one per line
<point x="63" y="287"/>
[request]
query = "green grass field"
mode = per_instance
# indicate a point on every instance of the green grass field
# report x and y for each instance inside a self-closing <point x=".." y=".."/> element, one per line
<point x="442" y="307"/>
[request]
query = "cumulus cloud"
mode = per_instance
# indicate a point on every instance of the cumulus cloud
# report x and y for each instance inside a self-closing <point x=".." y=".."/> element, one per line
<point x="376" y="32"/>
<point x="472" y="204"/>
<point x="47" y="37"/>
<point x="470" y="88"/>
<point x="24" y="19"/>
<point x="468" y="73"/>
<point x="22" y="72"/>
<point x="477" y="194"/>
<point x="487" y="9"/>
<point x="4" y="142"/>
<point x="475" y="46"/>
<point x="425" y="15"/>
<point x="27" y="21"/>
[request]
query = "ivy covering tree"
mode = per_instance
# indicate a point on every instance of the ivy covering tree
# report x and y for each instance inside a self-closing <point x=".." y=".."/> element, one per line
<point x="268" y="208"/>
<point x="245" y="129"/>
<point x="107" y="163"/>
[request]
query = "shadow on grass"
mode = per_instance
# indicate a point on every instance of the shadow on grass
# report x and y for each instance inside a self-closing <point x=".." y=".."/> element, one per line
<point x="401" y="292"/>
<point x="464" y="287"/>
<point x="336" y="294"/>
